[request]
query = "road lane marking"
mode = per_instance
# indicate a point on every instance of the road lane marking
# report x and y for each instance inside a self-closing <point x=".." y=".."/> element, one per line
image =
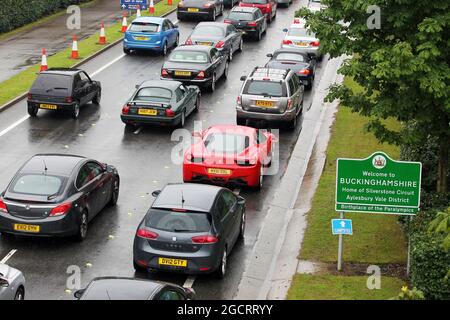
<point x="8" y="256"/>
<point x="15" y="124"/>
<point x="189" y="282"/>
<point x="108" y="65"/>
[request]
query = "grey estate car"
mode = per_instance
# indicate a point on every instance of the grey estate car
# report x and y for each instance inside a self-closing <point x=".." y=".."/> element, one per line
<point x="270" y="95"/>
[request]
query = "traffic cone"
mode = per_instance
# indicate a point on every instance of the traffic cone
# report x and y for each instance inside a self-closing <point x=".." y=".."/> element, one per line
<point x="44" y="65"/>
<point x="102" y="38"/>
<point x="138" y="12"/>
<point x="124" y="23"/>
<point x="151" y="8"/>
<point x="169" y="2"/>
<point x="74" y="48"/>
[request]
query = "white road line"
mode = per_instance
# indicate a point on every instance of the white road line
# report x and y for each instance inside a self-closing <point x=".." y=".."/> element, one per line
<point x="189" y="282"/>
<point x="15" y="124"/>
<point x="108" y="65"/>
<point x="8" y="256"/>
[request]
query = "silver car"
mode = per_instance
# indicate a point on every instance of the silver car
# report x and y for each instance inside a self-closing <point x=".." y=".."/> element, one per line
<point x="301" y="38"/>
<point x="315" y="5"/>
<point x="270" y="95"/>
<point x="12" y="283"/>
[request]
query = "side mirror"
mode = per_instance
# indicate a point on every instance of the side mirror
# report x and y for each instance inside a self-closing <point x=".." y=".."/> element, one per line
<point x="137" y="86"/>
<point x="285" y="30"/>
<point x="175" y="26"/>
<point x="241" y="200"/>
<point x="243" y="78"/>
<point x="79" y="293"/>
<point x="269" y="55"/>
<point x="156" y="193"/>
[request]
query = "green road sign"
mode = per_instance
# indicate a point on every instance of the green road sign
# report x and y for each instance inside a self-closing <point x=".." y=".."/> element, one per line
<point x="378" y="184"/>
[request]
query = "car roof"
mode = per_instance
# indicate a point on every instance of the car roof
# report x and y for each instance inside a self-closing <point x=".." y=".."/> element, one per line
<point x="63" y="71"/>
<point x="194" y="47"/>
<point x="121" y="288"/>
<point x="245" y="9"/>
<point x="157" y="20"/>
<point x="197" y="197"/>
<point x="288" y="50"/>
<point x="215" y="24"/>
<point x="62" y="164"/>
<point x="229" y="128"/>
<point x="260" y="73"/>
<point x="172" y="85"/>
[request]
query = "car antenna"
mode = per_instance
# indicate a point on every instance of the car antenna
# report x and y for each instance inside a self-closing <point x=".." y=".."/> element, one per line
<point x="45" y="166"/>
<point x="182" y="199"/>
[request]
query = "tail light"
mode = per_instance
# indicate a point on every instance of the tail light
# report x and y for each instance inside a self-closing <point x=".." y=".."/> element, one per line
<point x="285" y="41"/>
<point x="69" y="99"/>
<point x="296" y="21"/>
<point x="227" y="21"/>
<point x="60" y="210"/>
<point x="304" y="71"/>
<point x="170" y="112"/>
<point x="181" y="4"/>
<point x="238" y="100"/>
<point x="147" y="234"/>
<point x="315" y="43"/>
<point x="164" y="73"/>
<point x="209" y="239"/>
<point x="290" y="102"/>
<point x="220" y="44"/>
<point x="252" y="24"/>
<point x="3" y="207"/>
<point x="188" y="41"/>
<point x="200" y="75"/>
<point x="208" y="5"/>
<point x="126" y="109"/>
<point x="30" y="96"/>
<point x="268" y="7"/>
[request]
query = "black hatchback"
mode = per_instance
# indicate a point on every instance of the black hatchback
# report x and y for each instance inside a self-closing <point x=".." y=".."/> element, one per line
<point x="63" y="89"/>
<point x="57" y="195"/>
<point x="251" y="21"/>
<point x="190" y="228"/>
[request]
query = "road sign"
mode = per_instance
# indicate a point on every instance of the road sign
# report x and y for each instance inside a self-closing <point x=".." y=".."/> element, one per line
<point x="342" y="226"/>
<point x="378" y="184"/>
<point x="133" y="4"/>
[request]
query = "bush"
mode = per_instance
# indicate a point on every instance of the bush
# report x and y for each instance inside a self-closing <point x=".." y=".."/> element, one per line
<point x="429" y="265"/>
<point x="16" y="13"/>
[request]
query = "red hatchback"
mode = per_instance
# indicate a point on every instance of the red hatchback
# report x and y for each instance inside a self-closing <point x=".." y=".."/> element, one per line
<point x="229" y="155"/>
<point x="267" y="7"/>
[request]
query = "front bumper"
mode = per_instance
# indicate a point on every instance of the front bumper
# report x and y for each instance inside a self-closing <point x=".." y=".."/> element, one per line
<point x="241" y="176"/>
<point x="152" y="120"/>
<point x="287" y="116"/>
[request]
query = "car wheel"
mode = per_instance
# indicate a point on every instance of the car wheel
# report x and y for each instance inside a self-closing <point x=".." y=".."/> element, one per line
<point x="213" y="18"/>
<point x="259" y="35"/>
<point x="242" y="227"/>
<point x="261" y="177"/>
<point x="164" y="50"/>
<point x="221" y="11"/>
<point x="32" y="111"/>
<point x="114" y="192"/>
<point x="138" y="268"/>
<point x="225" y="72"/>
<point x="20" y="294"/>
<point x="126" y="51"/>
<point x="177" y="42"/>
<point x="241" y="45"/>
<point x="83" y="227"/>
<point x="76" y="111"/>
<point x="240" y="121"/>
<point x="222" y="270"/>
<point x="197" y="104"/>
<point x="97" y="97"/>
<point x="230" y="54"/>
<point x="183" y="119"/>
<point x="293" y="123"/>
<point x="212" y="86"/>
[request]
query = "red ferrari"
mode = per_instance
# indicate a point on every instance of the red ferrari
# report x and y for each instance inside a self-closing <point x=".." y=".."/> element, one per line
<point x="229" y="155"/>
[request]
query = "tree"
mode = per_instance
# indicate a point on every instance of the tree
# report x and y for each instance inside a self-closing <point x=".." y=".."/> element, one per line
<point x="399" y="52"/>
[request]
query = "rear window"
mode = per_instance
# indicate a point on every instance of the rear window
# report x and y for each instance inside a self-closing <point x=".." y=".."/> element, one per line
<point x="209" y="31"/>
<point x="300" y="32"/>
<point x="241" y="16"/>
<point x="290" y="57"/>
<point x="38" y="184"/>
<point x="226" y="143"/>
<point x="189" y="56"/>
<point x="154" y="94"/>
<point x="52" y="82"/>
<point x="255" y="1"/>
<point x="265" y="88"/>
<point x="167" y="220"/>
<point x="144" y="27"/>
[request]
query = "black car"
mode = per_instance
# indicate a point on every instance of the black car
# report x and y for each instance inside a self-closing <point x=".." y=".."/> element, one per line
<point x="196" y="65"/>
<point x="251" y="21"/>
<point x="57" y="195"/>
<point x="121" y="288"/>
<point x="230" y="3"/>
<point x="205" y="9"/>
<point x="303" y="64"/>
<point x="161" y="102"/>
<point x="222" y="36"/>
<point x="63" y="89"/>
<point x="190" y="228"/>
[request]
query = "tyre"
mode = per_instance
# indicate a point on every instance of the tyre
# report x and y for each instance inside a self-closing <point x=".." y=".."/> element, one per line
<point x="241" y="122"/>
<point x="197" y="104"/>
<point x="76" y="111"/>
<point x="261" y="177"/>
<point x="230" y="54"/>
<point x="126" y="51"/>
<point x="212" y="86"/>
<point x="177" y="42"/>
<point x="32" y="111"/>
<point x="242" y="227"/>
<point x="222" y="270"/>
<point x="213" y="17"/>
<point x="138" y="268"/>
<point x="97" y="97"/>
<point x="183" y="119"/>
<point x="114" y="192"/>
<point x="293" y="123"/>
<point x="20" y="294"/>
<point x="82" y="227"/>
<point x="225" y="72"/>
<point x="164" y="49"/>
<point x="241" y="45"/>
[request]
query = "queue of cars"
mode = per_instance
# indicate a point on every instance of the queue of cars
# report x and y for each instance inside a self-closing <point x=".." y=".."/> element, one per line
<point x="191" y="227"/>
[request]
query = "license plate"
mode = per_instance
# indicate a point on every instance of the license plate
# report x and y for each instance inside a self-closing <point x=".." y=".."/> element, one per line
<point x="48" y="106"/>
<point x="27" y="228"/>
<point x="148" y="112"/>
<point x="265" y="104"/>
<point x="219" y="171"/>
<point x="193" y="10"/>
<point x="205" y="43"/>
<point x="142" y="38"/>
<point x="302" y="44"/>
<point x="183" y="73"/>
<point x="172" y="262"/>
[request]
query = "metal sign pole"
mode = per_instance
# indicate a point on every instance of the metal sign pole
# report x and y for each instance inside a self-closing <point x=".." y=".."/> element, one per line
<point x="340" y="246"/>
<point x="408" y="263"/>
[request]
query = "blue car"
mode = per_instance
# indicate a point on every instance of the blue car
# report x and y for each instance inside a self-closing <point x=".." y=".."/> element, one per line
<point x="151" y="33"/>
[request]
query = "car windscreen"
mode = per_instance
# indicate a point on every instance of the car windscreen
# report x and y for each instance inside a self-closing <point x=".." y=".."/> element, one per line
<point x="226" y="143"/>
<point x="52" y="82"/>
<point x="241" y="16"/>
<point x="255" y="1"/>
<point x="153" y="94"/>
<point x="290" y="56"/>
<point x="178" y="221"/>
<point x="209" y="31"/>
<point x="38" y="184"/>
<point x="265" y="88"/>
<point x="144" y="27"/>
<point x="300" y="32"/>
<point x="189" y="56"/>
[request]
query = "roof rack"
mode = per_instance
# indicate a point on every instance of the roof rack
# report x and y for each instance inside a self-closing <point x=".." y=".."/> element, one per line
<point x="263" y="71"/>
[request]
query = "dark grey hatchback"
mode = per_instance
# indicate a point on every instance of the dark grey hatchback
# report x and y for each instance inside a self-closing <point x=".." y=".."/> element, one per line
<point x="190" y="228"/>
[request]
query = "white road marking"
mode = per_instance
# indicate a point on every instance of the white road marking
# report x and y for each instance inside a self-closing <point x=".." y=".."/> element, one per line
<point x="15" y="124"/>
<point x="108" y="65"/>
<point x="8" y="256"/>
<point x="189" y="282"/>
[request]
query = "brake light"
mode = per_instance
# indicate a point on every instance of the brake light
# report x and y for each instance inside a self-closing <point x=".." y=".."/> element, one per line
<point x="205" y="239"/>
<point x="60" y="210"/>
<point x="252" y="24"/>
<point x="147" y="234"/>
<point x="164" y="73"/>
<point x="181" y="4"/>
<point x="69" y="99"/>
<point x="268" y="7"/>
<point x="200" y="75"/>
<point x="126" y="109"/>
<point x="208" y="5"/>
<point x="290" y="103"/>
<point x="315" y="43"/>
<point x="238" y="100"/>
<point x="178" y="210"/>
<point x="170" y="112"/>
<point x="296" y="21"/>
<point x="285" y="41"/>
<point x="3" y="207"/>
<point x="304" y="71"/>
<point x="227" y="21"/>
<point x="30" y="96"/>
<point x="266" y="79"/>
<point x="188" y="41"/>
<point x="220" y="44"/>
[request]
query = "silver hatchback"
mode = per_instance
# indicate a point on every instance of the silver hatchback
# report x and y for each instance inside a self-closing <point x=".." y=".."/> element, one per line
<point x="303" y="39"/>
<point x="12" y="283"/>
<point x="270" y="95"/>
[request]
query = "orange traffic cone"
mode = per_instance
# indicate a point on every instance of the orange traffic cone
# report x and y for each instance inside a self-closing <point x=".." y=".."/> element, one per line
<point x="74" y="48"/>
<point x="44" y="65"/>
<point x="138" y="12"/>
<point x="169" y="2"/>
<point x="151" y="8"/>
<point x="124" y="23"/>
<point x="102" y="38"/>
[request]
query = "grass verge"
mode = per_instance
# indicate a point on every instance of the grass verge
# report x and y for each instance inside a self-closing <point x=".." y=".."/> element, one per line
<point x="21" y="82"/>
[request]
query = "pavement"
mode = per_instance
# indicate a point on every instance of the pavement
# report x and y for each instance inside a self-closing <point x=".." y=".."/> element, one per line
<point x="143" y="160"/>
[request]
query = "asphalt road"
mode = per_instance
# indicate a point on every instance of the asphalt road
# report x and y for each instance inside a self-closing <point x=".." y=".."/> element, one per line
<point x="143" y="158"/>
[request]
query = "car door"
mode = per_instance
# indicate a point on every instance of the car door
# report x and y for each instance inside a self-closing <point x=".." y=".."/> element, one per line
<point x="91" y="86"/>
<point x="173" y="32"/>
<point x="89" y="183"/>
<point x="225" y="219"/>
<point x="79" y="91"/>
<point x="166" y="31"/>
<point x="188" y="98"/>
<point x="234" y="216"/>
<point x="216" y="62"/>
<point x="233" y="37"/>
<point x="295" y="90"/>
<point x="104" y="184"/>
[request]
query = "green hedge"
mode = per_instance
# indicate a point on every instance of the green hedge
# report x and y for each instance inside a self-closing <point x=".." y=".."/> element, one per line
<point x="16" y="13"/>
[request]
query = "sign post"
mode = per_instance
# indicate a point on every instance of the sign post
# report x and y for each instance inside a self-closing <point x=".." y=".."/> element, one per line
<point x="341" y="226"/>
<point x="133" y="4"/>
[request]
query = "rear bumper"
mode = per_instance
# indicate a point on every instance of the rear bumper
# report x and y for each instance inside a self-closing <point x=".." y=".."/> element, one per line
<point x="287" y="116"/>
<point x="153" y="120"/>
<point x="312" y="51"/>
<point x="202" y="13"/>
<point x="59" y="105"/>
<point x="240" y="176"/>
<point x="127" y="44"/>
<point x="200" y="83"/>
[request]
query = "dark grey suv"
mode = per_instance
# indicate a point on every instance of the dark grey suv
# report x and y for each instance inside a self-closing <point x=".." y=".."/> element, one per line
<point x="270" y="95"/>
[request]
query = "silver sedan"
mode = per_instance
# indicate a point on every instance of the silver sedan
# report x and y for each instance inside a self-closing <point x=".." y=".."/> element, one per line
<point x="12" y="283"/>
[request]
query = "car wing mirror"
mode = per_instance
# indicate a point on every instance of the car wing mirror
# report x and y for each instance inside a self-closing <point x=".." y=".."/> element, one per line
<point x="79" y="293"/>
<point x="285" y="30"/>
<point x="241" y="200"/>
<point x="137" y="86"/>
<point x="243" y="78"/>
<point x="269" y="55"/>
<point x="156" y="193"/>
<point x="175" y="26"/>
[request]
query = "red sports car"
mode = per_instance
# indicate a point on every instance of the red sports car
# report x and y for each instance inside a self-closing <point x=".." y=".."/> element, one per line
<point x="229" y="155"/>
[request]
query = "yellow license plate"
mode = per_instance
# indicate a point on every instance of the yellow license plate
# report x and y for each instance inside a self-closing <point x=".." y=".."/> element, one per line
<point x="302" y="44"/>
<point x="48" y="106"/>
<point x="183" y="73"/>
<point x="27" y="228"/>
<point x="266" y="104"/>
<point x="148" y="112"/>
<point x="193" y="10"/>
<point x="205" y="43"/>
<point x="172" y="262"/>
<point x="219" y="171"/>
<point x="142" y="38"/>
